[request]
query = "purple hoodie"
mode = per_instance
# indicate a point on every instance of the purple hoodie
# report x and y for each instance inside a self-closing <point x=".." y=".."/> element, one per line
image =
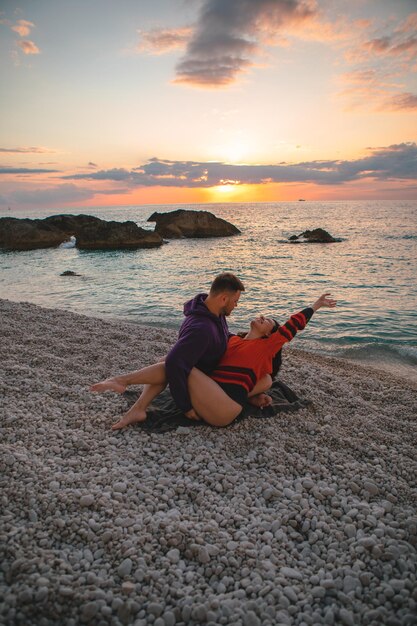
<point x="201" y="343"/>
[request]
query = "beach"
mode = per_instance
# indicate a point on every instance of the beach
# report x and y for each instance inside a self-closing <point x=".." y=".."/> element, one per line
<point x="303" y="518"/>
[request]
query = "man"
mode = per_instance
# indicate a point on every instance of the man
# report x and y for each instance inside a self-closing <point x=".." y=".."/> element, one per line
<point x="202" y="338"/>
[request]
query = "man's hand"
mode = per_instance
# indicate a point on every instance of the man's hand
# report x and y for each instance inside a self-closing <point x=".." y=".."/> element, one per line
<point x="324" y="300"/>
<point x="192" y="415"/>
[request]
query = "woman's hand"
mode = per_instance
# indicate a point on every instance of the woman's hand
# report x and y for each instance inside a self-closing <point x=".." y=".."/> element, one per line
<point x="324" y="300"/>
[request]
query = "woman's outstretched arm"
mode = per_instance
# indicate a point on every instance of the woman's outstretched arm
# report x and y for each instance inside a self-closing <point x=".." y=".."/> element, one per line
<point x="298" y="321"/>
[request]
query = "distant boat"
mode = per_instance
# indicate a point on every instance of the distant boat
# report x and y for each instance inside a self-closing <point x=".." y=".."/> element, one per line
<point x="301" y="200"/>
<point x="69" y="244"/>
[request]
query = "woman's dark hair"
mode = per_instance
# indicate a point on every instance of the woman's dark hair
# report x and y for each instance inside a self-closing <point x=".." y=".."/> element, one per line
<point x="226" y="282"/>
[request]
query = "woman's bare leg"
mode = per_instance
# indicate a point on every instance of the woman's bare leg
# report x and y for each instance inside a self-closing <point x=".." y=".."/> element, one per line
<point x="257" y="397"/>
<point x="209" y="400"/>
<point x="152" y="375"/>
<point x="137" y="413"/>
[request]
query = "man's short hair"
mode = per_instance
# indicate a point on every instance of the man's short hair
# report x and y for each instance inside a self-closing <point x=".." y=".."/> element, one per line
<point x="226" y="282"/>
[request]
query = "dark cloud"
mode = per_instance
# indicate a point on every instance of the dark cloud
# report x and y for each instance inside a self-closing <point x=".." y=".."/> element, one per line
<point x="229" y="33"/>
<point x="389" y="163"/>
<point x="24" y="170"/>
<point x="113" y="174"/>
<point x="28" y="150"/>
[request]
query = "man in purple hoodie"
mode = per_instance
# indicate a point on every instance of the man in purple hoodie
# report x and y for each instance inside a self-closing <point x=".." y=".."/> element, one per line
<point x="203" y="337"/>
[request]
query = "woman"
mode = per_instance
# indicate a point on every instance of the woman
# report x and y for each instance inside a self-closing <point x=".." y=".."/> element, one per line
<point x="243" y="371"/>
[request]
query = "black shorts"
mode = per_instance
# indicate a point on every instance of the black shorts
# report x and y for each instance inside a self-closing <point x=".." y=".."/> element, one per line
<point x="235" y="392"/>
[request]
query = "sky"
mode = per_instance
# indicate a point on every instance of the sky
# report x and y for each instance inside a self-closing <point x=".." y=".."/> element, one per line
<point x="110" y="102"/>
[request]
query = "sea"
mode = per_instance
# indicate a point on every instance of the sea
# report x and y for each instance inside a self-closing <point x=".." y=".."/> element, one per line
<point x="371" y="272"/>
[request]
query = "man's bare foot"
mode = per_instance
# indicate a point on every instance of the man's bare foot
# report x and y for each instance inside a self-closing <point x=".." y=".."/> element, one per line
<point x="131" y="417"/>
<point x="111" y="384"/>
<point x="260" y="400"/>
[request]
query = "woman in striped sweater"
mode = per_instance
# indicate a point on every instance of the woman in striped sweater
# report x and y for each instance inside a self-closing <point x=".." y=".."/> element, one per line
<point x="244" y="370"/>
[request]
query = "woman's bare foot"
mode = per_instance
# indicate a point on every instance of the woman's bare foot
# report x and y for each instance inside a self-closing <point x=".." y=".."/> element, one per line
<point x="260" y="400"/>
<point x="111" y="384"/>
<point x="131" y="417"/>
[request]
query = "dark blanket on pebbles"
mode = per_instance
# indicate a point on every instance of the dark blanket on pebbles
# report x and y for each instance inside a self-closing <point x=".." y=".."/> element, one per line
<point x="163" y="415"/>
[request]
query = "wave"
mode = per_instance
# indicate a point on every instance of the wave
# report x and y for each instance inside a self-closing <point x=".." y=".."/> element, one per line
<point x="400" y="358"/>
<point x="384" y="352"/>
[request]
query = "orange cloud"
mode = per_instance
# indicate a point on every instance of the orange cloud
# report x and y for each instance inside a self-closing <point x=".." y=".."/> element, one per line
<point x="382" y="65"/>
<point x="23" y="27"/>
<point x="409" y="24"/>
<point x="28" y="47"/>
<point x="400" y="102"/>
<point x="163" y="40"/>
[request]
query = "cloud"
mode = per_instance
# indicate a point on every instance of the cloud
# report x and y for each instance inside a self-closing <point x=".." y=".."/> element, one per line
<point x="401" y="42"/>
<point x="163" y="40"/>
<point x="23" y="27"/>
<point x="397" y="161"/>
<point x="384" y="58"/>
<point x="391" y="46"/>
<point x="54" y="196"/>
<point x="228" y="34"/>
<point x="24" y="170"/>
<point x="28" y="150"/>
<point x="28" y="47"/>
<point x="366" y="88"/>
<point x="113" y="174"/>
<point x="401" y="102"/>
<point x="50" y="195"/>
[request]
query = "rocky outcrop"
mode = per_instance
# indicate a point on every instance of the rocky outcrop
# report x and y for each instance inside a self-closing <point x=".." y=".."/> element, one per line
<point x="318" y="235"/>
<point x="26" y="234"/>
<point x="91" y="233"/>
<point x="182" y="223"/>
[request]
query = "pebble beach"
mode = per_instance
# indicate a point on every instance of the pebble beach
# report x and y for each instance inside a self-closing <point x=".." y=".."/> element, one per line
<point x="302" y="519"/>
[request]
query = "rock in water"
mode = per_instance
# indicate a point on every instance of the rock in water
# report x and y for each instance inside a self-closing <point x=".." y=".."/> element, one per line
<point x="26" y="234"/>
<point x="318" y="235"/>
<point x="182" y="223"/>
<point x="91" y="233"/>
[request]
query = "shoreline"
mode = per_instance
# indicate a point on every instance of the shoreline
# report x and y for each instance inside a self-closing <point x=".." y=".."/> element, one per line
<point x="305" y="514"/>
<point x="398" y="371"/>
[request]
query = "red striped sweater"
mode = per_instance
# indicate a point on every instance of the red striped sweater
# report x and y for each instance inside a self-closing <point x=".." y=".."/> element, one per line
<point x="247" y="360"/>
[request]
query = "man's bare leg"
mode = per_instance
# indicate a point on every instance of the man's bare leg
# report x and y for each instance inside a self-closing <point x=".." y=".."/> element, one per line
<point x="137" y="413"/>
<point x="257" y="397"/>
